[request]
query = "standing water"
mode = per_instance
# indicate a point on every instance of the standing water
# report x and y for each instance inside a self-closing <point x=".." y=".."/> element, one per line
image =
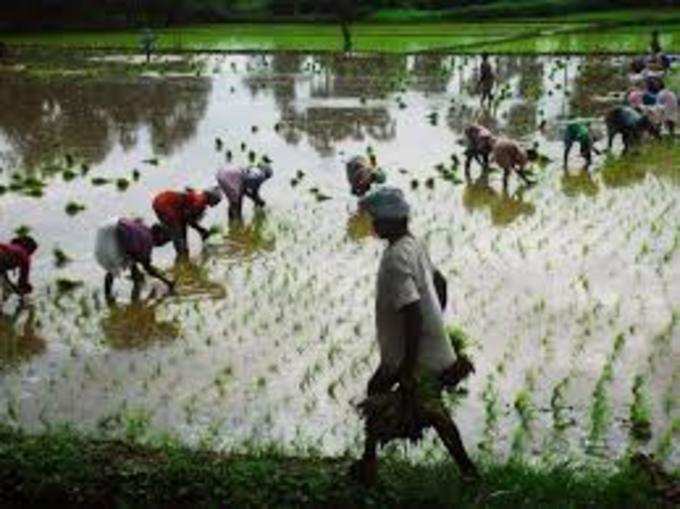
<point x="569" y="290"/>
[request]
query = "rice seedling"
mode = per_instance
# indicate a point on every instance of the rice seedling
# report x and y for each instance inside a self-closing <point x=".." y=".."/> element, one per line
<point x="526" y="412"/>
<point x="73" y="208"/>
<point x="640" y="411"/>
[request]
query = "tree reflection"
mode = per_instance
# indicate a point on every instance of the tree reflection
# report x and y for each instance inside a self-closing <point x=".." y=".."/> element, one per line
<point x="598" y="76"/>
<point x="432" y="72"/>
<point x="43" y="121"/>
<point x="328" y="121"/>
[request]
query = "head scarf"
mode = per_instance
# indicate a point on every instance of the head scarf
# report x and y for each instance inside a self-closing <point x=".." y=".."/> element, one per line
<point x="386" y="203"/>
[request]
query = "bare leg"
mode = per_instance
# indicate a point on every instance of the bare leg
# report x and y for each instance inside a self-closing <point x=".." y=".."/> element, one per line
<point x="366" y="469"/>
<point x="236" y="210"/>
<point x="108" y="288"/>
<point x="523" y="176"/>
<point x="469" y="154"/>
<point x="567" y="149"/>
<point x="450" y="436"/>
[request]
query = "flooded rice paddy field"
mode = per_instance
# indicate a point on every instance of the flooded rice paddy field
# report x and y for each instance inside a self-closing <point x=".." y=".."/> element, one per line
<point x="569" y="290"/>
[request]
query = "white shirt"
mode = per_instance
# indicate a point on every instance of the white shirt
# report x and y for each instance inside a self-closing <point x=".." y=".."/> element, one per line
<point x="107" y="250"/>
<point x="405" y="277"/>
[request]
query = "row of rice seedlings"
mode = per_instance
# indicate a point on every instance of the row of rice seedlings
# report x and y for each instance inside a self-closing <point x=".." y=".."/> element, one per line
<point x="640" y="411"/>
<point x="600" y="410"/>
<point x="526" y="412"/>
<point x="490" y="397"/>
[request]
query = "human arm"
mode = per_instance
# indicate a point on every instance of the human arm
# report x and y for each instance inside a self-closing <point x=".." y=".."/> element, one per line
<point x="440" y="287"/>
<point x="22" y="286"/>
<point x="252" y="191"/>
<point x="193" y="223"/>
<point x="153" y="271"/>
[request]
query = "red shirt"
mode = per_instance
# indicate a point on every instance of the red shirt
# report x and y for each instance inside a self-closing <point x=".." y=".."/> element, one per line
<point x="13" y="256"/>
<point x="179" y="208"/>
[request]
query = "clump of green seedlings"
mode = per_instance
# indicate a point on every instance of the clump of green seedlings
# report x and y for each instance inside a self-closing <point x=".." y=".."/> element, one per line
<point x="60" y="257"/>
<point x="491" y="415"/>
<point x="73" y="208"/>
<point x="640" y="410"/>
<point x="558" y="406"/>
<point x="600" y="410"/>
<point x="526" y="411"/>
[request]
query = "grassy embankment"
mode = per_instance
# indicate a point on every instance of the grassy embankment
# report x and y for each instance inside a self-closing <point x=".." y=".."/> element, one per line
<point x="397" y="31"/>
<point x="63" y="467"/>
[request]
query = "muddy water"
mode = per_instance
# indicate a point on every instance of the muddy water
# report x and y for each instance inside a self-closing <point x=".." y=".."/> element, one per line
<point x="270" y="337"/>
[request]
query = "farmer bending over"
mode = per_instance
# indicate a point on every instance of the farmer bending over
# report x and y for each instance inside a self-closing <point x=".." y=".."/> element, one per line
<point x="178" y="210"/>
<point x="361" y="175"/>
<point x="238" y="182"/>
<point x="415" y="353"/>
<point x="17" y="256"/>
<point x="579" y="132"/>
<point x="124" y="243"/>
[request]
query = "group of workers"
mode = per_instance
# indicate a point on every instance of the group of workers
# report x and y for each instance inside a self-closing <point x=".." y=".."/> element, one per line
<point x="648" y="108"/>
<point x="417" y="361"/>
<point x="124" y="243"/>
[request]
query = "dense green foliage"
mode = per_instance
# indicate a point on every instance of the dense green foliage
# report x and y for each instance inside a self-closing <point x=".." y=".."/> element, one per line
<point x="132" y="13"/>
<point x="63" y="467"/>
<point x="572" y="36"/>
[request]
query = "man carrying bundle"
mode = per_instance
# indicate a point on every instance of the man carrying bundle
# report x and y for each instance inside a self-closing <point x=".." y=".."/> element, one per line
<point x="416" y="355"/>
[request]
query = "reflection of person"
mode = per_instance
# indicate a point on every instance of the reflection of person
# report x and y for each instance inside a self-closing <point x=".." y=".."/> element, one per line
<point x="238" y="182"/>
<point x="16" y="255"/>
<point x="486" y="79"/>
<point x="123" y="243"/>
<point x="415" y="353"/>
<point x="579" y="132"/>
<point x="503" y="207"/>
<point x="362" y="174"/>
<point x="180" y="210"/>
<point x="17" y="342"/>
<point x="580" y="184"/>
<point x="136" y="326"/>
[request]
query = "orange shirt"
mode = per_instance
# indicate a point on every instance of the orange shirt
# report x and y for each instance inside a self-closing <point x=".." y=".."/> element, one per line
<point x="179" y="208"/>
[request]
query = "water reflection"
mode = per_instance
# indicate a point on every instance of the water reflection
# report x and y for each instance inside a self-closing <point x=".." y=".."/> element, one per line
<point x="432" y="72"/>
<point x="593" y="83"/>
<point x="18" y="338"/>
<point x="48" y="119"/>
<point x="325" y="127"/>
<point x="137" y="326"/>
<point x="367" y="76"/>
<point x="245" y="240"/>
<point x="580" y="184"/>
<point x="192" y="281"/>
<point x="504" y="208"/>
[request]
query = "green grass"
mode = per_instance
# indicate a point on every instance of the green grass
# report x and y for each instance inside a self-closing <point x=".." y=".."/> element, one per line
<point x="622" y="31"/>
<point x="63" y="467"/>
